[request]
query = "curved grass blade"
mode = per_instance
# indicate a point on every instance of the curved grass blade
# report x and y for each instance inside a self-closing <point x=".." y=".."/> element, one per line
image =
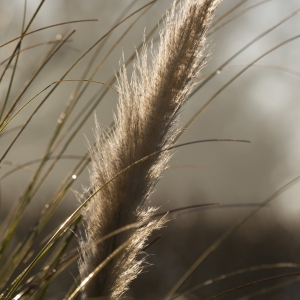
<point x="254" y="283"/>
<point x="8" y="131"/>
<point x="270" y="289"/>
<point x="180" y="209"/>
<point x="279" y="68"/>
<point x="235" y="273"/>
<point x="47" y="27"/>
<point x="24" y="166"/>
<point x="206" y="206"/>
<point x="32" y="47"/>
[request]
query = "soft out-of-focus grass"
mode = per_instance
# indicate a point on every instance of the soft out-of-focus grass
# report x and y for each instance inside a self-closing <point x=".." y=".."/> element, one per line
<point x="39" y="196"/>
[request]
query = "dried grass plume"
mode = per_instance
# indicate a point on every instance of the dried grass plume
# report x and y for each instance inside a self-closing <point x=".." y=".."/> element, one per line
<point x="145" y="123"/>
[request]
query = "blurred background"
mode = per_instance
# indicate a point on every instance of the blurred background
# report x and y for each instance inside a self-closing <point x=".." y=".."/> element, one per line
<point x="262" y="105"/>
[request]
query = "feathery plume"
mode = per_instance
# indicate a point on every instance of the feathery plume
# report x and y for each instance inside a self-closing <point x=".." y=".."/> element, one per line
<point x="145" y="123"/>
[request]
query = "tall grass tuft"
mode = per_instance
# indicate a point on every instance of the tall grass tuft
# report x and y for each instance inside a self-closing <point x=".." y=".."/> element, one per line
<point x="145" y="124"/>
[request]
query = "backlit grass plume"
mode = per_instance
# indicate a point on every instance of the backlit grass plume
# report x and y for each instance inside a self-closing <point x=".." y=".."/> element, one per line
<point x="145" y="123"/>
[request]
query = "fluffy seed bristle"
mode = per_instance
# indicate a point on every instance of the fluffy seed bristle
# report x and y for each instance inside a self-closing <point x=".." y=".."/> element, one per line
<point x="145" y="123"/>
